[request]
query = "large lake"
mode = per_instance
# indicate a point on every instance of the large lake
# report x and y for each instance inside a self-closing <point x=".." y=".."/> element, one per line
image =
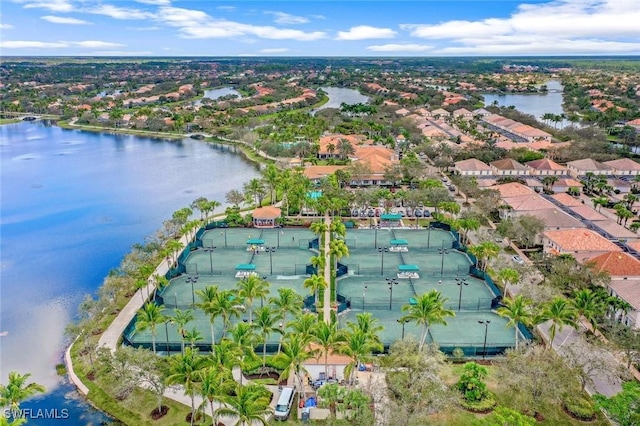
<point x="214" y="94"/>
<point x="73" y="203"/>
<point x="536" y="105"/>
<point x="338" y="95"/>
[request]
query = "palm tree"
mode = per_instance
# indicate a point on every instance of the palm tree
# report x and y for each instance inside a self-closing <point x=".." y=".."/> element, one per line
<point x="485" y="251"/>
<point x="295" y="351"/>
<point x="287" y="302"/>
<point x="181" y="319"/>
<point x="211" y="207"/>
<point x="367" y="324"/>
<point x="560" y="312"/>
<point x="358" y="346"/>
<point x="149" y="317"/>
<point x="215" y="386"/>
<point x="428" y="309"/>
<point x="266" y="323"/>
<point x="315" y="283"/>
<point x="508" y="276"/>
<point x="305" y="326"/>
<point x="249" y="405"/>
<point x="244" y="337"/>
<point x="466" y="225"/>
<point x="588" y="305"/>
<point x="226" y="303"/>
<point x="225" y="355"/>
<point x="186" y="370"/>
<point x="192" y="336"/>
<point x="17" y="390"/>
<point x="338" y="249"/>
<point x="548" y="182"/>
<point x="207" y="297"/>
<point x="518" y="310"/>
<point x="250" y="289"/>
<point x="318" y="261"/>
<point x="327" y="336"/>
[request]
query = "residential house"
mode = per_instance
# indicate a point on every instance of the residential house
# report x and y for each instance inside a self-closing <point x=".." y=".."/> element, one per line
<point x="513" y="189"/>
<point x="509" y="167"/>
<point x="563" y="185"/>
<point x="634" y="123"/>
<point x="629" y="291"/>
<point x="588" y="165"/>
<point x="440" y="113"/>
<point x="317" y="173"/>
<point x="581" y="243"/>
<point x="554" y="219"/>
<point x="566" y="200"/>
<point x="524" y="203"/>
<point x="545" y="167"/>
<point x="472" y="167"/>
<point x="463" y="113"/>
<point x="619" y="186"/>
<point x="481" y="112"/>
<point x="624" y="166"/>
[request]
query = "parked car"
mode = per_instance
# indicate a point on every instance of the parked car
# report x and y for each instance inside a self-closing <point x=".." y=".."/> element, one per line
<point x="418" y="213"/>
<point x="377" y="212"/>
<point x="426" y="213"/>
<point x="518" y="260"/>
<point x="452" y="188"/>
<point x="355" y="213"/>
<point x="409" y="213"/>
<point x="370" y="213"/>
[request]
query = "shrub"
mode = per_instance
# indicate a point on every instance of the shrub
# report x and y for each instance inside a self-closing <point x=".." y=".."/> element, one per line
<point x="472" y="384"/>
<point x="483" y="406"/>
<point x="61" y="369"/>
<point x="579" y="407"/>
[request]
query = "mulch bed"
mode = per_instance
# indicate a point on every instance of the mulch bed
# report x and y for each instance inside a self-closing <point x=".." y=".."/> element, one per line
<point x="272" y="375"/>
<point x="573" y="416"/>
<point x="159" y="413"/>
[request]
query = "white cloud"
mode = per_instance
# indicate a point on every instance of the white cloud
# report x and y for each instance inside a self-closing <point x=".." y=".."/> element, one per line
<point x="322" y="17"/>
<point x="287" y="19"/>
<point x="6" y="26"/>
<point x="556" y="27"/>
<point x="116" y="12"/>
<point x="275" y="50"/>
<point x="144" y="28"/>
<point x="365" y="32"/>
<point x="400" y="48"/>
<point x="121" y="53"/>
<point x="155" y="2"/>
<point x="29" y="44"/>
<point x="24" y="44"/>
<point x="198" y="24"/>
<point x="227" y="8"/>
<point x="64" y="20"/>
<point x="52" y="5"/>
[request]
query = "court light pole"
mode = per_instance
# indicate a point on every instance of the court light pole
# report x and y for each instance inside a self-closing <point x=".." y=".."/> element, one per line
<point x="460" y="282"/>
<point x="210" y="251"/>
<point x="429" y="236"/>
<point x="391" y="282"/>
<point x="364" y="294"/>
<point x="486" y="329"/>
<point x="166" y="330"/>
<point x="442" y="252"/>
<point x="402" y="321"/>
<point x="270" y="250"/>
<point x="192" y="280"/>
<point x="382" y="251"/>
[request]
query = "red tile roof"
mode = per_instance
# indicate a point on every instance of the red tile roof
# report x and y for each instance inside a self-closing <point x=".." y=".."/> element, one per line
<point x="617" y="264"/>
<point x="268" y="212"/>
<point x="572" y="240"/>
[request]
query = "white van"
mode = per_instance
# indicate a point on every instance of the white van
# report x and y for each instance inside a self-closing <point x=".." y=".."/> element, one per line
<point x="283" y="407"/>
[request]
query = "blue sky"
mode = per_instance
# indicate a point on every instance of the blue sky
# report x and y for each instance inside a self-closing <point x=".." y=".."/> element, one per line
<point x="318" y="28"/>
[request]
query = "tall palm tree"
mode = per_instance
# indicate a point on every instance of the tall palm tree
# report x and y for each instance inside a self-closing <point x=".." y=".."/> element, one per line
<point x="548" y="182"/>
<point x="226" y="302"/>
<point x="485" y="251"/>
<point x="266" y="323"/>
<point x="244" y="337"/>
<point x="181" y="319"/>
<point x="192" y="336"/>
<point x="215" y="386"/>
<point x="149" y="317"/>
<point x="327" y="336"/>
<point x="207" y="297"/>
<point x="271" y="175"/>
<point x="318" y="262"/>
<point x="186" y="370"/>
<point x="359" y="347"/>
<point x="588" y="305"/>
<point x="429" y="309"/>
<point x="250" y="289"/>
<point x="315" y="283"/>
<point x="295" y="351"/>
<point x="287" y="302"/>
<point x="304" y="326"/>
<point x="508" y="276"/>
<point x="368" y="324"/>
<point x="560" y="312"/>
<point x="338" y="249"/>
<point x="17" y="390"/>
<point x="249" y="405"/>
<point x="225" y="355"/>
<point x="518" y="310"/>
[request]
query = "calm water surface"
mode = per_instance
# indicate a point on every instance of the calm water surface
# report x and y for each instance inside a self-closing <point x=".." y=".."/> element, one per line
<point x="218" y="93"/>
<point x="338" y="95"/>
<point x="536" y="105"/>
<point x="72" y="204"/>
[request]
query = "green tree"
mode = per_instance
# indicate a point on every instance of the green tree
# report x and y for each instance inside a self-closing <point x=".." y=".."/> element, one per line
<point x="315" y="283"/>
<point x="327" y="336"/>
<point x="250" y="289"/>
<point x="18" y="390"/>
<point x="287" y="302"/>
<point x="560" y="312"/>
<point x="181" y="319"/>
<point x="208" y="297"/>
<point x="266" y="323"/>
<point x="215" y="386"/>
<point x="185" y="370"/>
<point x="508" y="276"/>
<point x="588" y="305"/>
<point x="249" y="405"/>
<point x="429" y="309"/>
<point x="623" y="407"/>
<point x="472" y="382"/>
<point x="305" y="326"/>
<point x="518" y="310"/>
<point x="358" y="346"/>
<point x="150" y="317"/>
<point x="295" y="351"/>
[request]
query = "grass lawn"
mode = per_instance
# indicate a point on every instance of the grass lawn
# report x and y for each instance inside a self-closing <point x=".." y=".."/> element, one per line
<point x="9" y="120"/>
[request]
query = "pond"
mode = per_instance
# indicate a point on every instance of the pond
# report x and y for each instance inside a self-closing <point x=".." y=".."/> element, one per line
<point x="338" y="95"/>
<point x="218" y="93"/>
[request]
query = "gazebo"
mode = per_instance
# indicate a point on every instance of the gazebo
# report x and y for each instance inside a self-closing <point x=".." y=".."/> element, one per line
<point x="255" y="244"/>
<point x="265" y="217"/>
<point x="408" y="271"/>
<point x="399" y="245"/>
<point x="390" y="219"/>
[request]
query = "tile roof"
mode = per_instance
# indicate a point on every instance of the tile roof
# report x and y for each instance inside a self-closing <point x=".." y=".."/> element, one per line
<point x="268" y="212"/>
<point x="508" y="164"/>
<point x="528" y="203"/>
<point x="566" y="200"/>
<point x="472" y="164"/>
<point x="587" y="212"/>
<point x="588" y="164"/>
<point x="623" y="164"/>
<point x="545" y="164"/>
<point x="554" y="219"/>
<point x="634" y="245"/>
<point x="628" y="290"/>
<point x="616" y="264"/>
<point x="580" y="240"/>
<point x="513" y="189"/>
<point x="615" y="230"/>
<point x="317" y="172"/>
<point x="568" y="183"/>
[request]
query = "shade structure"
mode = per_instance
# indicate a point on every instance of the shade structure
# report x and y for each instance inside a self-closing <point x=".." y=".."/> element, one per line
<point x="408" y="268"/>
<point x="245" y="267"/>
<point x="314" y="195"/>
<point x="399" y="242"/>
<point x="255" y="241"/>
<point x="390" y="216"/>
